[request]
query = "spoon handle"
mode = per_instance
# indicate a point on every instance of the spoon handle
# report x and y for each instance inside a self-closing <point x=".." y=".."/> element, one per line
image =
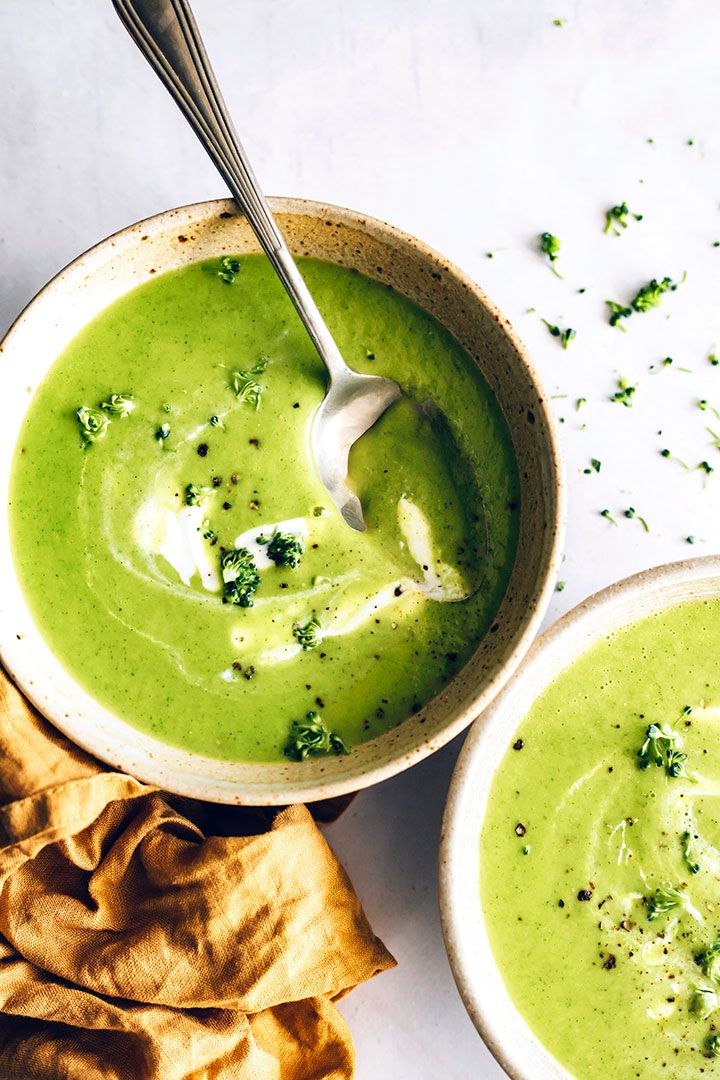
<point x="167" y="35"/>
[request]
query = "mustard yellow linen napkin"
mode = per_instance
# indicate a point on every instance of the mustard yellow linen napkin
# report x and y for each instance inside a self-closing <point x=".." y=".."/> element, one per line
<point x="139" y="941"/>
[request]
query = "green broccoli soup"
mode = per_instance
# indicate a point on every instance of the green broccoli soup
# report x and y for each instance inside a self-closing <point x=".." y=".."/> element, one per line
<point x="600" y="855"/>
<point x="179" y="553"/>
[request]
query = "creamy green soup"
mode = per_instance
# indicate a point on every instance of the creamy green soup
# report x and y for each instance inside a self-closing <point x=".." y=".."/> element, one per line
<point x="179" y="553"/>
<point x="600" y="855"/>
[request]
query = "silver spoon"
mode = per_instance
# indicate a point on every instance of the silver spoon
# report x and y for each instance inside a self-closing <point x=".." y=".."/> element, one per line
<point x="166" y="33"/>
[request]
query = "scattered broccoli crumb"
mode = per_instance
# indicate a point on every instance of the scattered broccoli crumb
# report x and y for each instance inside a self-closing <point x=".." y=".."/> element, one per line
<point x="162" y="433"/>
<point x="579" y="403"/>
<point x="559" y="22"/>
<point x="618" y="312"/>
<point x="560" y="585"/>
<point x="566" y="336"/>
<point x="619" y="216"/>
<point x="240" y="576"/>
<point x="608" y="515"/>
<point x="311" y="736"/>
<point x="625" y="393"/>
<point x="631" y="512"/>
<point x="216" y="421"/>
<point x="318" y="511"/>
<point x="550" y="245"/>
<point x="209" y="533"/>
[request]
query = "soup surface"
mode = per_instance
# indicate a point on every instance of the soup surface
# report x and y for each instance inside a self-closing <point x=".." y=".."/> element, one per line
<point x="600" y="855"/>
<point x="179" y="553"/>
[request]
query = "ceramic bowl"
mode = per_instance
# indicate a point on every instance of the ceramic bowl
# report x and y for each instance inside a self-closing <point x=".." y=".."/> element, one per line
<point x="181" y="236"/>
<point x="478" y="979"/>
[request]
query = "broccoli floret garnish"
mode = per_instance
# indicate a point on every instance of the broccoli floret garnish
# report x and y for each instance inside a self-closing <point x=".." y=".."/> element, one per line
<point x="709" y="960"/>
<point x="666" y="898"/>
<point x="712" y="1045"/>
<point x="285" y="549"/>
<point x="311" y="736"/>
<point x="229" y="269"/>
<point x="245" y="385"/>
<point x="118" y="405"/>
<point x="240" y="577"/>
<point x="195" y="495"/>
<point x="703" y="1002"/>
<point x="307" y="634"/>
<point x="93" y="424"/>
<point x="662" y="747"/>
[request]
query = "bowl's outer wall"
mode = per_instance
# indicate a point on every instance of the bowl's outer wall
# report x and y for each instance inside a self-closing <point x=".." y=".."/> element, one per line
<point x="181" y="236"/>
<point x="476" y="974"/>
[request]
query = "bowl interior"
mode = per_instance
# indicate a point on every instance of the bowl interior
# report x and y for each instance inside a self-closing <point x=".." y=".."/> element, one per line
<point x="171" y="240"/>
<point x="507" y="1035"/>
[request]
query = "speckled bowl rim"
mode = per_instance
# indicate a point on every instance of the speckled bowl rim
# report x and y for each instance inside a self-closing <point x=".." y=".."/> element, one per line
<point x="506" y="1034"/>
<point x="310" y="785"/>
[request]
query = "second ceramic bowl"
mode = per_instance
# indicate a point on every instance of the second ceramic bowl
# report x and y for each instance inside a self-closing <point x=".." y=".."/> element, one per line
<point x="171" y="240"/>
<point x="478" y="979"/>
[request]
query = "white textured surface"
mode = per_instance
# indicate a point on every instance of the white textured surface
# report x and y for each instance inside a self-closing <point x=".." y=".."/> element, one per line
<point x="474" y="126"/>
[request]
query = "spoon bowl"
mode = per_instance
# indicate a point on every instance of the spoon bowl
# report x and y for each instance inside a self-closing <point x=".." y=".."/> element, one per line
<point x="351" y="406"/>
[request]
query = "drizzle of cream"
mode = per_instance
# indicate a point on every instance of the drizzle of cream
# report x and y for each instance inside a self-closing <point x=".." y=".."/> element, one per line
<point x="162" y="528"/>
<point x="175" y="533"/>
<point x="440" y="580"/>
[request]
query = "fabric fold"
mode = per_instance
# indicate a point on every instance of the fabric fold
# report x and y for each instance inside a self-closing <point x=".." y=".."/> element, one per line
<point x="138" y="942"/>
